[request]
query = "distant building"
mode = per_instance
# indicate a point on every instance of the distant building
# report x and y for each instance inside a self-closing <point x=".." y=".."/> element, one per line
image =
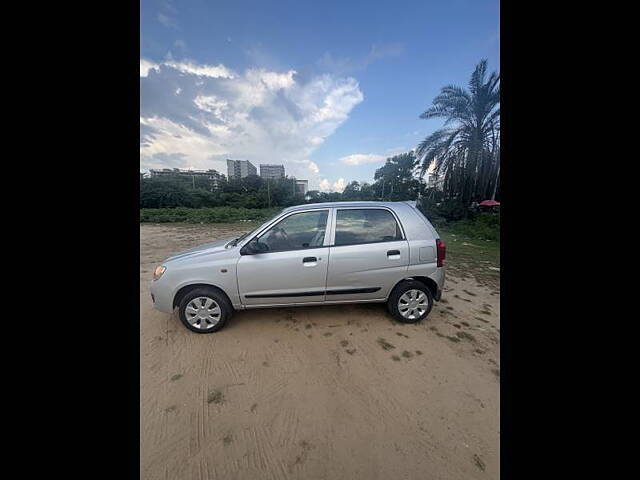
<point x="302" y="186"/>
<point x="271" y="171"/>
<point x="212" y="175"/>
<point x="240" y="168"/>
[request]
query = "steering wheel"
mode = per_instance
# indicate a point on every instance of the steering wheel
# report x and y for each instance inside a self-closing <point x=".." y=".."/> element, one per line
<point x="281" y="233"/>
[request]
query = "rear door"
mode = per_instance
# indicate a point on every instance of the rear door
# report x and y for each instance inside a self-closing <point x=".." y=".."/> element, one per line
<point x="369" y="254"/>
<point x="294" y="269"/>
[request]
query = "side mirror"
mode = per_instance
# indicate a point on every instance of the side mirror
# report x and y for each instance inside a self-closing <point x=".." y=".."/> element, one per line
<point x="254" y="247"/>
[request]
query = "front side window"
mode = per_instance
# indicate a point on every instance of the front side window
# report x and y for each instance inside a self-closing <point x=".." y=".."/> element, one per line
<point x="297" y="232"/>
<point x="356" y="226"/>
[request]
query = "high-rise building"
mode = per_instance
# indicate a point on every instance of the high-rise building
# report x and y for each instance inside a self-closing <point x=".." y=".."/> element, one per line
<point x="240" y="168"/>
<point x="271" y="171"/>
<point x="302" y="186"/>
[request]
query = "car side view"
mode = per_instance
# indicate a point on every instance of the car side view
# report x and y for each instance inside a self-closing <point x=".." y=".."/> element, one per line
<point x="315" y="254"/>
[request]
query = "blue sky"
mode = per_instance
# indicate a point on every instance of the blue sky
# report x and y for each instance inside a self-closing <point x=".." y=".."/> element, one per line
<point x="328" y="88"/>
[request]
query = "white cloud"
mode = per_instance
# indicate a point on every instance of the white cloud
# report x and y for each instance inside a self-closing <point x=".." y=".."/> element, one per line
<point x="145" y="65"/>
<point x="213" y="71"/>
<point x="325" y="185"/>
<point x="362" y="158"/>
<point x="339" y="185"/>
<point x="313" y="167"/>
<point x="261" y="115"/>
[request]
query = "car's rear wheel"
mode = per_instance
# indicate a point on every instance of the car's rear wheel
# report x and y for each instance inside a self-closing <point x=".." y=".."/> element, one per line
<point x="204" y="310"/>
<point x="410" y="302"/>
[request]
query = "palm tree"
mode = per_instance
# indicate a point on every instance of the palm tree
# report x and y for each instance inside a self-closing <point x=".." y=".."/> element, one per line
<point x="466" y="153"/>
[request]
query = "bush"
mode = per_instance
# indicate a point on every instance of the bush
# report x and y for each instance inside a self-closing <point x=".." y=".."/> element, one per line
<point x="442" y="212"/>
<point x="451" y="215"/>
<point x="485" y="226"/>
<point x="205" y="215"/>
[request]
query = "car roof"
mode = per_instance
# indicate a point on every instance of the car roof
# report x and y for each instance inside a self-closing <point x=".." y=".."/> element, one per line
<point x="343" y="204"/>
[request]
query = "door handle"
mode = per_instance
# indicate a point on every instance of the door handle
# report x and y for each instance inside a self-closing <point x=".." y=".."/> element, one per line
<point x="393" y="254"/>
<point x="309" y="261"/>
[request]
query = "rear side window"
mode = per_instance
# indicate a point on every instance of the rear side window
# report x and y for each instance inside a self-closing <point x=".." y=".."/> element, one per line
<point x="355" y="226"/>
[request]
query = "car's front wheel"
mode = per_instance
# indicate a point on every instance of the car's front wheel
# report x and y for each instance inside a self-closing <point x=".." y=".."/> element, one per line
<point x="204" y="310"/>
<point x="410" y="302"/>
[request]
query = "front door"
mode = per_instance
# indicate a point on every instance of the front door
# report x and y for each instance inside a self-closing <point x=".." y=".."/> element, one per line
<point x="293" y="269"/>
<point x="368" y="257"/>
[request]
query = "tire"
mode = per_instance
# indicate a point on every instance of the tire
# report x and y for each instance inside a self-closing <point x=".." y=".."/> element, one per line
<point x="422" y="308"/>
<point x="213" y="313"/>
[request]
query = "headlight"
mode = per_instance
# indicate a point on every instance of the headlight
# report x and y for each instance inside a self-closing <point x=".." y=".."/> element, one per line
<point x="157" y="273"/>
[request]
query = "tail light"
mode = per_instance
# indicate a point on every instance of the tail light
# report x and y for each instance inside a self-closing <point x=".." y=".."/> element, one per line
<point x="441" y="250"/>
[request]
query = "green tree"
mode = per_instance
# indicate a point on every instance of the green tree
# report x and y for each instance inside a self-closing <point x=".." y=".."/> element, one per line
<point x="467" y="153"/>
<point x="395" y="180"/>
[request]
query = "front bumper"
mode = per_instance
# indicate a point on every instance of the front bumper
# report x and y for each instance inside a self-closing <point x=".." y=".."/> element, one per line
<point x="160" y="296"/>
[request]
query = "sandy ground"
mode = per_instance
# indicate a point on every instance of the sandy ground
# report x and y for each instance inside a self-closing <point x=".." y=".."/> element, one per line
<point x="332" y="392"/>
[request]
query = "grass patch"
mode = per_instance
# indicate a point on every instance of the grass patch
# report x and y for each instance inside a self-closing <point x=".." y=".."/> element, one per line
<point x="407" y="354"/>
<point x="471" y="255"/>
<point x="177" y="376"/>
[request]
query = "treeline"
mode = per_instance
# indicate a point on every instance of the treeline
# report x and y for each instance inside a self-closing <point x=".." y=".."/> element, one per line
<point x="395" y="181"/>
<point x="194" y="192"/>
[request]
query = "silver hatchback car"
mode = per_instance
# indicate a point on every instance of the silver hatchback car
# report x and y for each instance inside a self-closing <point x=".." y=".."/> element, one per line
<point x="315" y="254"/>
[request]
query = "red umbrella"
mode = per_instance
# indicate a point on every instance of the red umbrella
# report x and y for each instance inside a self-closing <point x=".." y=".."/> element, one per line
<point x="489" y="203"/>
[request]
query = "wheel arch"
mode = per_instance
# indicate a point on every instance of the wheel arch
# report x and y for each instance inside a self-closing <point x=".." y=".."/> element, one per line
<point x="185" y="289"/>
<point x="430" y="283"/>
